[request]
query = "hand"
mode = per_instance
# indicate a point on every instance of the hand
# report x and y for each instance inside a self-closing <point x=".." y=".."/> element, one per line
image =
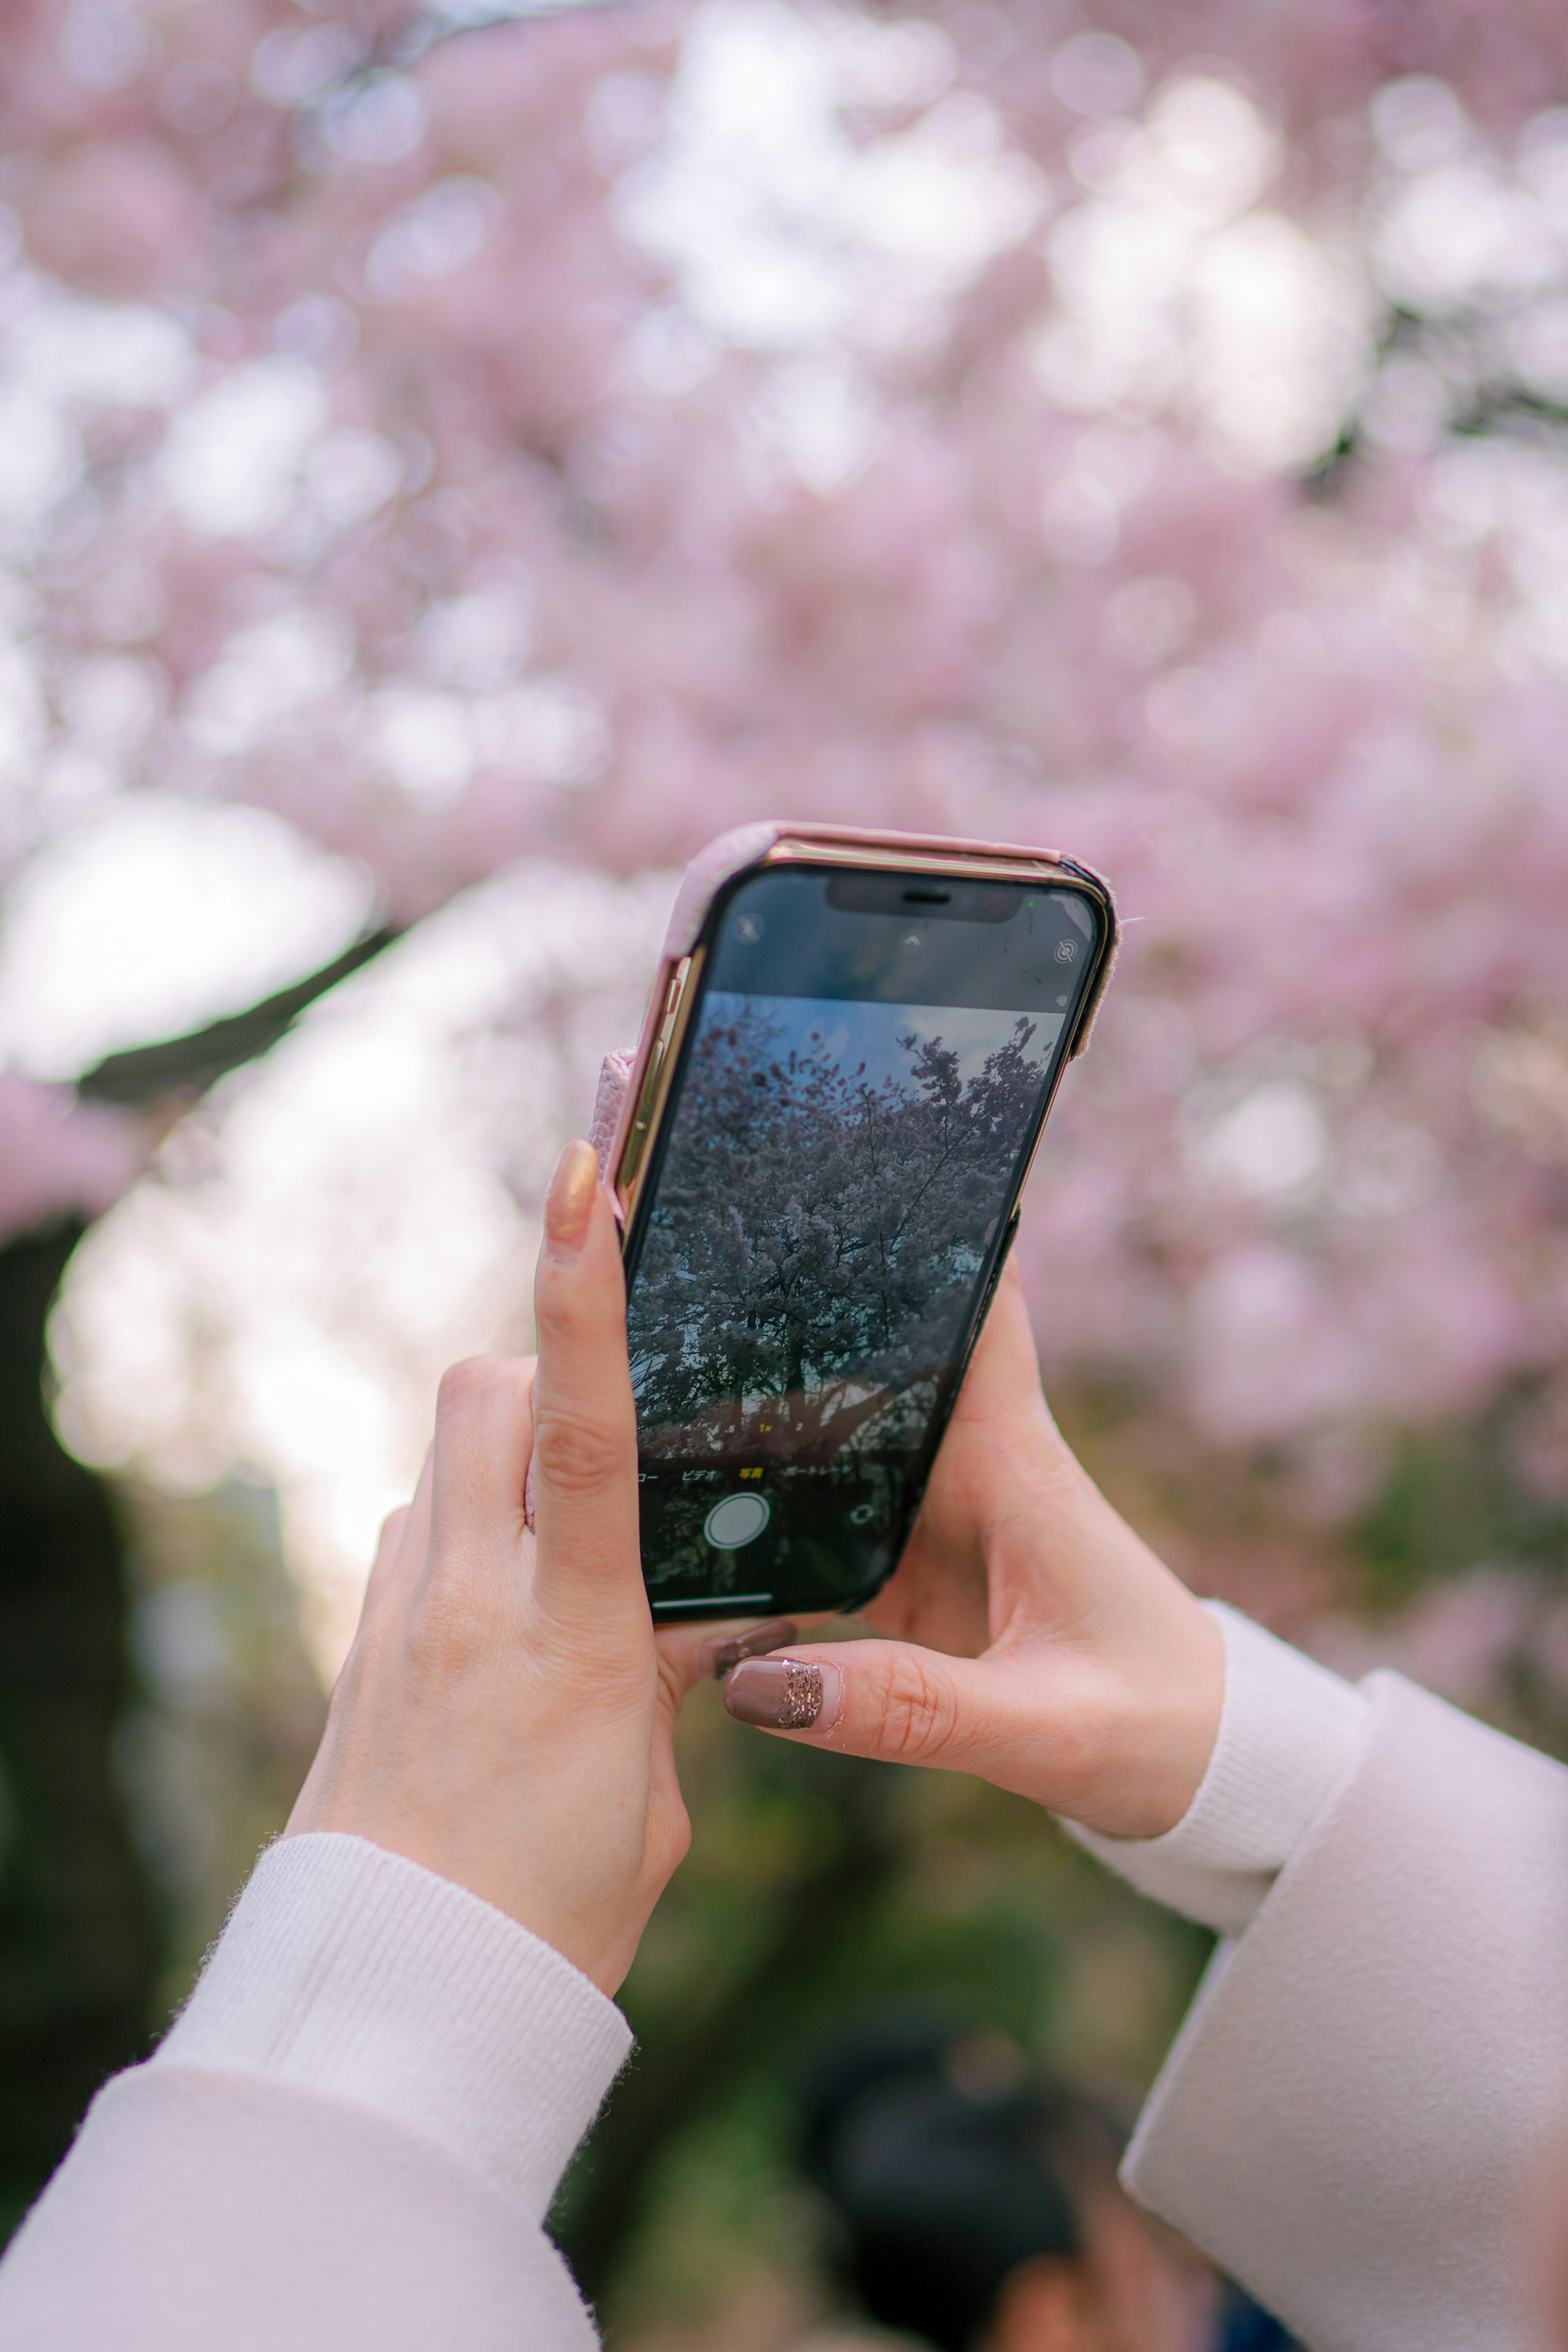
<point x="505" y="1716"/>
<point x="1058" y="1657"/>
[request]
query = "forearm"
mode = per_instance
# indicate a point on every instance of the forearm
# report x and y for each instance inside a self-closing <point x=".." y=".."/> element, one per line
<point x="349" y="2137"/>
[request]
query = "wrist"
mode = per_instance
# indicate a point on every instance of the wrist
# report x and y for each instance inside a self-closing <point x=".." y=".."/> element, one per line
<point x="593" y="1918"/>
<point x="1289" y="1732"/>
<point x="352" y="1971"/>
<point x="1161" y="1723"/>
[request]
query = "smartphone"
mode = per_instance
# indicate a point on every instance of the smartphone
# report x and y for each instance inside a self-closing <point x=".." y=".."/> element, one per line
<point x="850" y="1050"/>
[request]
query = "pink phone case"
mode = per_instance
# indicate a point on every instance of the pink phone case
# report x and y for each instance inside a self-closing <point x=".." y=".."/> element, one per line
<point x="620" y="1078"/>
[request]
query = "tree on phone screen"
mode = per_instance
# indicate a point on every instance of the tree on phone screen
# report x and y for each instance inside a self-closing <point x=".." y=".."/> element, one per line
<point x="819" y="1225"/>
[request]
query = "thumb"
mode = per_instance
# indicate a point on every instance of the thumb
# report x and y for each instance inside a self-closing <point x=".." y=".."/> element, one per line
<point x="884" y="1699"/>
<point x="588" y="1576"/>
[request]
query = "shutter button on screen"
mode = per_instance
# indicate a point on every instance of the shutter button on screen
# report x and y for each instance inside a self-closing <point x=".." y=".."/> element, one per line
<point x="739" y="1519"/>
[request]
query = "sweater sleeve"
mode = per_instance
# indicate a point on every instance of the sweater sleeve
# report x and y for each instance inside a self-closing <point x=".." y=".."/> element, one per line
<point x="349" y="2138"/>
<point x="1368" y="2096"/>
<point x="1289" y="1731"/>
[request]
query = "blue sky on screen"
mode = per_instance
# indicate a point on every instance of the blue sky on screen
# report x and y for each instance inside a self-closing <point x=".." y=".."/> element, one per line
<point x="850" y="1034"/>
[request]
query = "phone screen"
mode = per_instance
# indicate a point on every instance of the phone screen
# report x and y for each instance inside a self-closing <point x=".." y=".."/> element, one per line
<point x="862" y="1082"/>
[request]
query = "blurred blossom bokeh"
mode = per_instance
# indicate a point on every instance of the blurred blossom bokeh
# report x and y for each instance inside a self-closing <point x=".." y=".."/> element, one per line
<point x="455" y="460"/>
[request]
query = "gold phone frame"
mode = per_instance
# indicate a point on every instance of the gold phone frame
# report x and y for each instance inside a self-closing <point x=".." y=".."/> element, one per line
<point x="675" y="991"/>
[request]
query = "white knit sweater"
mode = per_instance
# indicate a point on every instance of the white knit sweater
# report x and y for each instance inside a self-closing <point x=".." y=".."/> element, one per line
<point x="352" y="2135"/>
<point x="1288" y="1731"/>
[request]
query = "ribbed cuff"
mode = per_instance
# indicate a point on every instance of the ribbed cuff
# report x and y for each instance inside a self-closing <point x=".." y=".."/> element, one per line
<point x="355" y="1972"/>
<point x="1287" y="1732"/>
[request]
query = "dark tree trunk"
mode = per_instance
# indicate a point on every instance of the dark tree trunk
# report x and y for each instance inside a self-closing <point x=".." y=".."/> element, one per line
<point x="79" y="1929"/>
<point x="79" y="1943"/>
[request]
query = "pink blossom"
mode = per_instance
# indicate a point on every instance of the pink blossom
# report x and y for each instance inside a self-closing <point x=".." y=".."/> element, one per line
<point x="59" y="1158"/>
<point x="1306" y="1191"/>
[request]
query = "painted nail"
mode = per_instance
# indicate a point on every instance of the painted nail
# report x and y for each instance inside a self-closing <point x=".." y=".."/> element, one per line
<point x="785" y="1694"/>
<point x="727" y="1650"/>
<point x="569" y="1204"/>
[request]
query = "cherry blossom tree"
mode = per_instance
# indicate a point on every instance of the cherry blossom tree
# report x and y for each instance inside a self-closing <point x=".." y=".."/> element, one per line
<point x="558" y="436"/>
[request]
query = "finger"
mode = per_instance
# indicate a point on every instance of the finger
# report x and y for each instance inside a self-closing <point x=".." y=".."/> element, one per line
<point x="1009" y="1718"/>
<point x="939" y="1595"/>
<point x="389" y="1543"/>
<point x="382" y="1578"/>
<point x="1004" y="1371"/>
<point x="585" y="1429"/>
<point x="415" y="1541"/>
<point x="884" y="1699"/>
<point x="479" y="1461"/>
<point x="403" y="1541"/>
<point x="726" y="1645"/>
<point x="972" y="1568"/>
<point x="689" y="1654"/>
<point x="1004" y="1398"/>
<point x="614" y="1086"/>
<point x="682" y="1665"/>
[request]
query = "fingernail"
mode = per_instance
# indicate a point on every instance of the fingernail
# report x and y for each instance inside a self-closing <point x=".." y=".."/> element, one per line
<point x="785" y="1694"/>
<point x="717" y="1656"/>
<point x="569" y="1204"/>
